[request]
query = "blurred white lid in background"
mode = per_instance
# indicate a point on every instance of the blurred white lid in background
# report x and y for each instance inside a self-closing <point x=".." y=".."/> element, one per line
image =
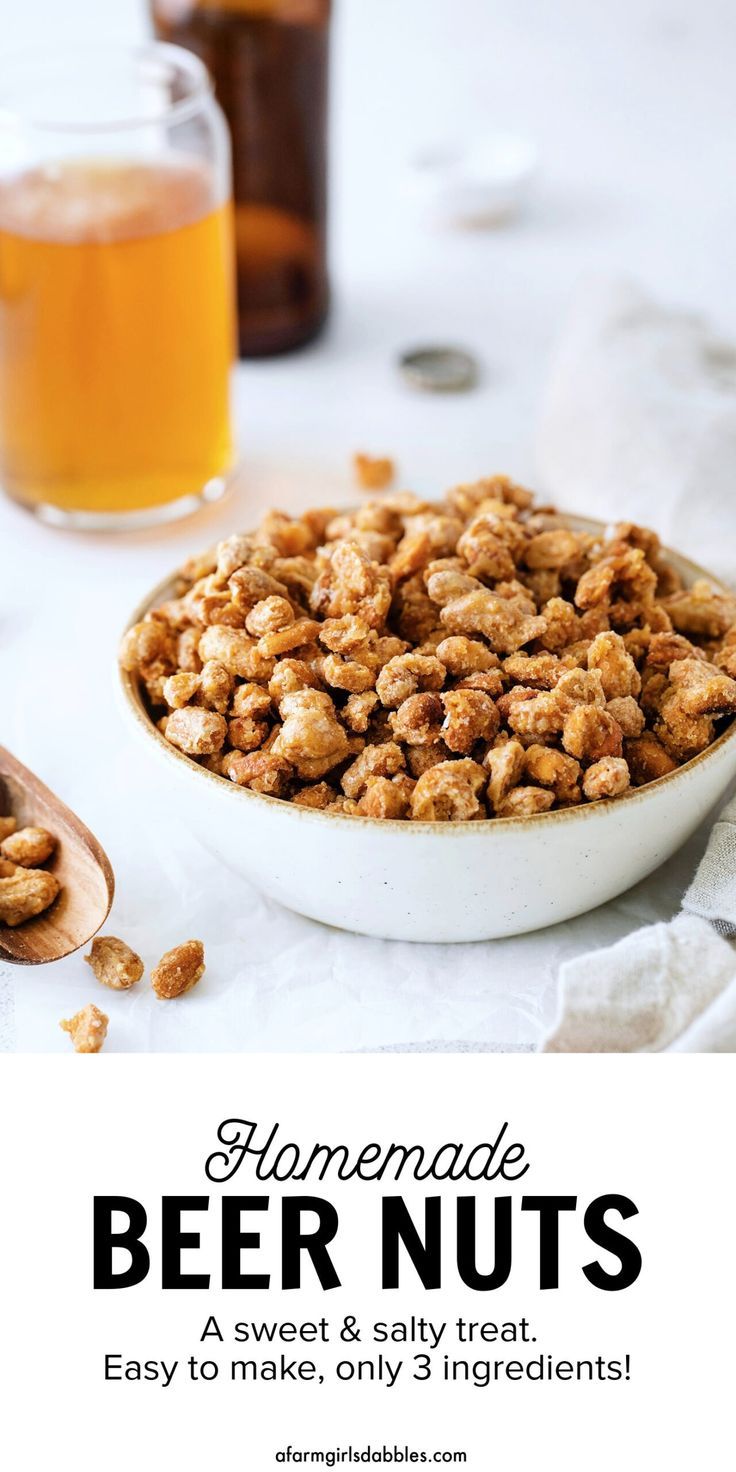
<point x="481" y="182"/>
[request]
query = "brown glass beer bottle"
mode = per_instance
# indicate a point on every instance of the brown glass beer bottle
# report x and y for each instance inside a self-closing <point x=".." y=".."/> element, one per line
<point x="269" y="62"/>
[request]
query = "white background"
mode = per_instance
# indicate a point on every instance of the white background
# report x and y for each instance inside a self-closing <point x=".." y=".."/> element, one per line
<point x="597" y="1132"/>
<point x="634" y="109"/>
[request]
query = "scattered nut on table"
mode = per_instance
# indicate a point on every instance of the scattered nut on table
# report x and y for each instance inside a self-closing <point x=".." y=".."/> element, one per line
<point x="373" y="472"/>
<point x="178" y="970"/>
<point x="28" y="847"/>
<point x="114" y="963"/>
<point x="25" y="893"/>
<point x="87" y="1029"/>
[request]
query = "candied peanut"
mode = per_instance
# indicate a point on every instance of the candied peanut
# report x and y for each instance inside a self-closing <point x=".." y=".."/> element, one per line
<point x="725" y="659"/>
<point x="343" y="807"/>
<point x="404" y="783"/>
<point x="197" y="732"/>
<point x="114" y="963"/>
<point x="215" y="686"/>
<point x="701" y="611"/>
<point x="287" y="535"/>
<point x="373" y="472"/>
<point x="539" y="670"/>
<point x="526" y="802"/>
<point x="252" y="700"/>
<point x="552" y="548"/>
<point x="301" y="631"/>
<point x="7" y="826"/>
<point x="25" y="893"/>
<point x="590" y="733"/>
<point x="552" y="768"/>
<point x="443" y="531"/>
<point x="246" y="734"/>
<point x="579" y="687"/>
<point x="358" y="709"/>
<point x="628" y="714"/>
<point x="545" y="583"/>
<point x="607" y="778"/>
<point x="595" y="621"/>
<point x="230" y="648"/>
<point x="344" y="635"/>
<point x="663" y="649"/>
<point x="311" y="737"/>
<point x="250" y="586"/>
<point x="470" y="716"/>
<point x="595" y="585"/>
<point x="654" y="686"/>
<point x="376" y="548"/>
<point x="647" y="759"/>
<point x="209" y="603"/>
<point x="179" y="689"/>
<point x="419" y="759"/>
<point x="178" y="970"/>
<point x="489" y="681"/>
<point x="290" y="675"/>
<point x="533" y="714"/>
<point x="297" y="575"/>
<point x="449" y="792"/>
<point x="383" y="799"/>
<point x="187" y="651"/>
<point x="681" y="734"/>
<point x="418" y="720"/>
<point x="467" y="498"/>
<point x="319" y="797"/>
<point x="447" y="583"/>
<point x="409" y="674"/>
<point x="269" y="616"/>
<point x="462" y="656"/>
<point x="347" y="674"/>
<point x="145" y="643"/>
<point x="29" y="847"/>
<point x="87" y="1029"/>
<point x="560" y="624"/>
<point x="487" y="550"/>
<point x="263" y="771"/>
<point x="480" y="612"/>
<point x="414" y="613"/>
<point x="506" y="765"/>
<point x="353" y="583"/>
<point x="619" y="675"/>
<point x="412" y="554"/>
<point x="233" y="553"/>
<point x="377" y="516"/>
<point x="6" y="868"/>
<point x="375" y="761"/>
<point x="701" y="690"/>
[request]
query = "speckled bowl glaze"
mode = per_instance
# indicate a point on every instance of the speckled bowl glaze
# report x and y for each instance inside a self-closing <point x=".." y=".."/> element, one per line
<point x="443" y="882"/>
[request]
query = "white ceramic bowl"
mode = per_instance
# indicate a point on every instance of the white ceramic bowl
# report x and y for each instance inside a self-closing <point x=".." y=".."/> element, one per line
<point x="441" y="881"/>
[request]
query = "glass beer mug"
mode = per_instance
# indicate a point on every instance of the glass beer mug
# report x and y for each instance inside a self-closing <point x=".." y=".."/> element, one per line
<point x="117" y="312"/>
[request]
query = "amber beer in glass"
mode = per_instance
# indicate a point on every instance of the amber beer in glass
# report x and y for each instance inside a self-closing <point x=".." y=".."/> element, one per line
<point x="117" y="322"/>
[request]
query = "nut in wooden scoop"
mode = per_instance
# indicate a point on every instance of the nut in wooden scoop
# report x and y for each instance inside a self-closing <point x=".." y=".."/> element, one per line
<point x="78" y="864"/>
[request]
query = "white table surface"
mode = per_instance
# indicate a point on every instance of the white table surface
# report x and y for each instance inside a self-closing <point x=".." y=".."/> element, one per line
<point x="633" y="108"/>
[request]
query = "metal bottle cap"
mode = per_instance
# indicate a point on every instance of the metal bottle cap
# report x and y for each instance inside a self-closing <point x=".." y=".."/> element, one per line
<point x="439" y="369"/>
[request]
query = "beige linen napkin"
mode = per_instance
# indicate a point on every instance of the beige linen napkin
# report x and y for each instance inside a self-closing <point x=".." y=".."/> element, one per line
<point x="640" y="416"/>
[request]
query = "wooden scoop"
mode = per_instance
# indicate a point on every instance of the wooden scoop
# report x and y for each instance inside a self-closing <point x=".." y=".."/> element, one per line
<point x="79" y="863"/>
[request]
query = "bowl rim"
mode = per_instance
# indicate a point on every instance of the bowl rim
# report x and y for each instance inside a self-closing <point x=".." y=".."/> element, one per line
<point x="600" y="807"/>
